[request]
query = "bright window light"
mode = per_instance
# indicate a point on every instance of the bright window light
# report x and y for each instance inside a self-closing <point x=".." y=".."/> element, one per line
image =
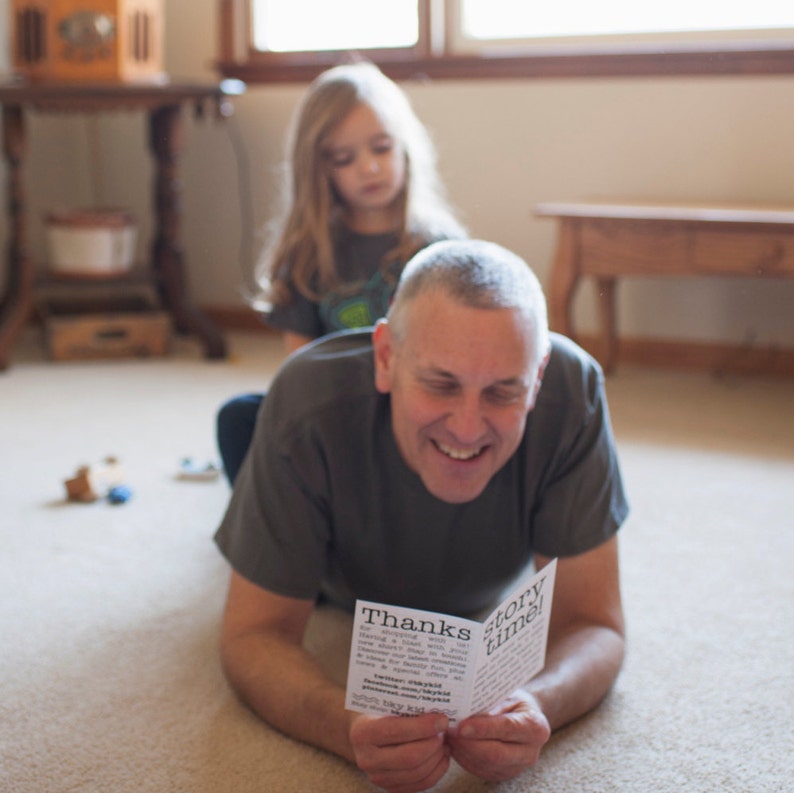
<point x="300" y="25"/>
<point x="501" y="19"/>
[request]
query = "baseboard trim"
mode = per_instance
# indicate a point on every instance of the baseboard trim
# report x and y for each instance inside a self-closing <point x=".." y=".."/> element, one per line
<point x="237" y="318"/>
<point x="718" y="359"/>
<point x="655" y="353"/>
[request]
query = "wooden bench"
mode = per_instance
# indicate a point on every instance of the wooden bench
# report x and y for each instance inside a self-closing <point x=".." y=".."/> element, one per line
<point x="608" y="240"/>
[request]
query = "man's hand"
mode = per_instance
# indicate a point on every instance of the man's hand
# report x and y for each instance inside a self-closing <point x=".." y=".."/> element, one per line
<point x="503" y="743"/>
<point x="401" y="754"/>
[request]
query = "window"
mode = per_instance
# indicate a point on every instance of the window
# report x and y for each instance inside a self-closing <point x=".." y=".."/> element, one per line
<point x="520" y="23"/>
<point x="339" y="25"/>
<point x="269" y="40"/>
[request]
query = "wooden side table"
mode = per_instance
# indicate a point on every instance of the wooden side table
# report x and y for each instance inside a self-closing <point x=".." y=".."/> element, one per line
<point x="608" y="240"/>
<point x="163" y="103"/>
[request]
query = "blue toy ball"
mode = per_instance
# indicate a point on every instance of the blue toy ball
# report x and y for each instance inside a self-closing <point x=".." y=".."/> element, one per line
<point x="120" y="494"/>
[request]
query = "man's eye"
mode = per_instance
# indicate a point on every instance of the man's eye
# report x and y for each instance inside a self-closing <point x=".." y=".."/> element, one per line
<point x="440" y="386"/>
<point x="501" y="396"/>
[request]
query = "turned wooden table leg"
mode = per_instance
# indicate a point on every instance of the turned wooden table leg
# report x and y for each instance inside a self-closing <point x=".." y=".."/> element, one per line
<point x="564" y="278"/>
<point x="17" y="300"/>
<point x="166" y="145"/>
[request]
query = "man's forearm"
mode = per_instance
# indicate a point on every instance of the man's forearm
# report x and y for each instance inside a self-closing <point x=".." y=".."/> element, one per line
<point x="285" y="686"/>
<point x="581" y="666"/>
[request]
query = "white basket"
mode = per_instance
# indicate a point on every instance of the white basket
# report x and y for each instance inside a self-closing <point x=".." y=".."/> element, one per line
<point x="91" y="242"/>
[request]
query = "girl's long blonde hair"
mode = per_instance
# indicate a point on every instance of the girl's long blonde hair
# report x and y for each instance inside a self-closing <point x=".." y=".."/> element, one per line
<point x="300" y="248"/>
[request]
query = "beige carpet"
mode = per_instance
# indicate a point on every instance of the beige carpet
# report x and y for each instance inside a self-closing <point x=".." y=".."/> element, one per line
<point x="109" y="677"/>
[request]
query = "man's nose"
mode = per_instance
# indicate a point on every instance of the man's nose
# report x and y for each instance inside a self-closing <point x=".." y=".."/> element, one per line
<point x="466" y="421"/>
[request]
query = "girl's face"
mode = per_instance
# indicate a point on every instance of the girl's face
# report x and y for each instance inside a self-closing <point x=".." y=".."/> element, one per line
<point x="366" y="166"/>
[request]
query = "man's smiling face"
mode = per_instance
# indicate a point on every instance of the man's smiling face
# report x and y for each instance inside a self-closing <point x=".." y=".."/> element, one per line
<point x="462" y="381"/>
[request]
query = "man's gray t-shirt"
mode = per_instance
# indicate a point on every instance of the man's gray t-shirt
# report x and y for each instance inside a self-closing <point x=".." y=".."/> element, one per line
<point x="325" y="505"/>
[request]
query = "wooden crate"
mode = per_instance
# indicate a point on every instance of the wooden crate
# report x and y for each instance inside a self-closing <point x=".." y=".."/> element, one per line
<point x="88" y="40"/>
<point x="123" y="329"/>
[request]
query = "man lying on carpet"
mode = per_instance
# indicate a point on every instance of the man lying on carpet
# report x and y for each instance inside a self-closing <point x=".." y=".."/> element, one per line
<point x="423" y="465"/>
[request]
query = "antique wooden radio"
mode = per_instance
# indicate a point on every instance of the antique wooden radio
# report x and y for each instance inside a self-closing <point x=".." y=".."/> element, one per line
<point x="88" y="40"/>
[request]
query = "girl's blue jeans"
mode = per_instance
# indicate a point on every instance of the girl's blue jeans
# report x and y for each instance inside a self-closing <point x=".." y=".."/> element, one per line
<point x="235" y="428"/>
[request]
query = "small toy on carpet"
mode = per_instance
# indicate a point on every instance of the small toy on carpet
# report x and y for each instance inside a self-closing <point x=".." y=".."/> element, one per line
<point x="119" y="494"/>
<point x="103" y="480"/>
<point x="192" y="471"/>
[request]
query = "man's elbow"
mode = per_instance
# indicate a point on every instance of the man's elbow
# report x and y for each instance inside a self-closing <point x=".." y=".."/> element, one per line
<point x="232" y="656"/>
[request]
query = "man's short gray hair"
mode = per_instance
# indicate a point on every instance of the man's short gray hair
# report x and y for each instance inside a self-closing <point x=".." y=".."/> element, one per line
<point x="478" y="274"/>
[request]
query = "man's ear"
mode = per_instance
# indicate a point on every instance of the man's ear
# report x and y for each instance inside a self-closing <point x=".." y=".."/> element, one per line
<point x="383" y="350"/>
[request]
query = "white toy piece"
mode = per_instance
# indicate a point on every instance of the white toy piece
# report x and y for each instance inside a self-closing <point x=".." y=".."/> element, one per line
<point x="92" y="482"/>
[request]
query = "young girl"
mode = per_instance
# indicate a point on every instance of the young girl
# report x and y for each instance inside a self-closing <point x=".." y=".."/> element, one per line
<point x="363" y="195"/>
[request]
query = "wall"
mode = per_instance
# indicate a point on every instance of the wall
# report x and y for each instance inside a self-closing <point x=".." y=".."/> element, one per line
<point x="503" y="146"/>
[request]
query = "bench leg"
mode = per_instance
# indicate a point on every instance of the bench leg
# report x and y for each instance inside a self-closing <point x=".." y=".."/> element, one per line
<point x="606" y="304"/>
<point x="564" y="278"/>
